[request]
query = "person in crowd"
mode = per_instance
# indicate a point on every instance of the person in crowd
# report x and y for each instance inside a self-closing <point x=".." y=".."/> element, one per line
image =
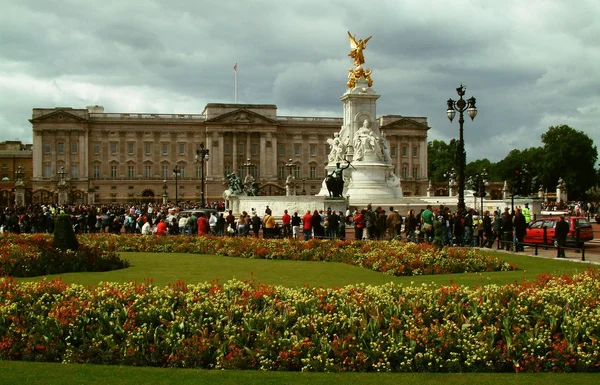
<point x="370" y="223"/>
<point x="380" y="222"/>
<point x="334" y="224"/>
<point x="202" y="224"/>
<point x="146" y="228"/>
<point x="268" y="224"/>
<point x="427" y="217"/>
<point x="359" y="224"/>
<point x="307" y="225"/>
<point x="410" y="227"/>
<point x="459" y="228"/>
<point x="562" y="230"/>
<point x="392" y="224"/>
<point x="295" y="221"/>
<point x="286" y="221"/>
<point x="520" y="228"/>
<point x="212" y="223"/>
<point x="507" y="229"/>
<point x="256" y="222"/>
<point x="315" y="223"/>
<point x="161" y="228"/>
<point x="342" y="227"/>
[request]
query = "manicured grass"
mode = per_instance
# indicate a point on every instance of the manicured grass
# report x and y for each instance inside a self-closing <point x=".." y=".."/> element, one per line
<point x="164" y="268"/>
<point x="46" y="373"/>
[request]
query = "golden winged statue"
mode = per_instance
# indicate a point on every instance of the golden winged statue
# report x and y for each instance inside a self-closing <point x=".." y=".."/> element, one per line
<point x="357" y="49"/>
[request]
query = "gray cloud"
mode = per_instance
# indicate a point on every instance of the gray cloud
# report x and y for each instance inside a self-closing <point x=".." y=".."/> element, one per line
<point x="530" y="65"/>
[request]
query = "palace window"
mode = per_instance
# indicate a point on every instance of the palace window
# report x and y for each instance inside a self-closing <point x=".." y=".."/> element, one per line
<point x="181" y="172"/>
<point x="113" y="172"/>
<point x="281" y="172"/>
<point x="131" y="172"/>
<point x="254" y="148"/>
<point x="181" y="148"/>
<point x="130" y="148"/>
<point x="148" y="172"/>
<point x="96" y="148"/>
<point x="74" y="172"/>
<point x="165" y="172"/>
<point x="415" y="151"/>
<point x="198" y="172"/>
<point x="296" y="149"/>
<point x="147" y="148"/>
<point x="165" y="149"/>
<point x="415" y="172"/>
<point x="96" y="172"/>
<point x="227" y="169"/>
<point x="241" y="148"/>
<point x="227" y="149"/>
<point x="313" y="172"/>
<point x="46" y="148"/>
<point x="47" y="171"/>
<point x="404" y="171"/>
<point x="281" y="149"/>
<point x="297" y="172"/>
<point x="74" y="148"/>
<point x="313" y="150"/>
<point x="60" y="148"/>
<point x="393" y="151"/>
<point x="113" y="147"/>
<point x="404" y="151"/>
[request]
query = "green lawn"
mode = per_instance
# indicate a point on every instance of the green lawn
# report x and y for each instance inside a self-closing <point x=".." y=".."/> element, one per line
<point x="170" y="268"/>
<point x="45" y="373"/>
<point x="193" y="268"/>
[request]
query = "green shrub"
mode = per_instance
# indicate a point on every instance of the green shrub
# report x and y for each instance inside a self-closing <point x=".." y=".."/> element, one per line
<point x="64" y="236"/>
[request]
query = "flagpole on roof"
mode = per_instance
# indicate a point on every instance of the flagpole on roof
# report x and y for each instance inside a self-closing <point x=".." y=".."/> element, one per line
<point x="235" y="82"/>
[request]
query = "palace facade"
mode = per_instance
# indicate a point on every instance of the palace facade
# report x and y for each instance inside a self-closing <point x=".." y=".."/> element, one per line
<point x="129" y="157"/>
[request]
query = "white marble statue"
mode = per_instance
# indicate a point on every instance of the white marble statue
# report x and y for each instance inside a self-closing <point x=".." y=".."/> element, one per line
<point x="337" y="149"/>
<point x="366" y="143"/>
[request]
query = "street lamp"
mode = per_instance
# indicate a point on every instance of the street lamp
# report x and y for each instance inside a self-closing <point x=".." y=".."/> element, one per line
<point x="19" y="173"/>
<point x="290" y="166"/>
<point x="246" y="166"/>
<point x="61" y="174"/>
<point x="482" y="193"/>
<point x="451" y="175"/>
<point x="515" y="186"/>
<point x="201" y="156"/>
<point x="176" y="172"/>
<point x="461" y="106"/>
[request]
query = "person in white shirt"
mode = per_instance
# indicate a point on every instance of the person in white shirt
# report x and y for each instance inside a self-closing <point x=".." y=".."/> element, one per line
<point x="182" y="224"/>
<point x="146" y="229"/>
<point x="212" y="223"/>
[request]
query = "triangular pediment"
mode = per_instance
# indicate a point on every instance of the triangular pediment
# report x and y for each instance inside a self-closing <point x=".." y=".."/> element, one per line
<point x="242" y="116"/>
<point x="406" y="122"/>
<point x="58" y="116"/>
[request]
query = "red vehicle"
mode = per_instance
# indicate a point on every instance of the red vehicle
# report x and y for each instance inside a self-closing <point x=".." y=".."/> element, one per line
<point x="535" y="231"/>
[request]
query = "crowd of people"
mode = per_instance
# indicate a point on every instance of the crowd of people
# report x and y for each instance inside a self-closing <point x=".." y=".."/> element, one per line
<point x="436" y="225"/>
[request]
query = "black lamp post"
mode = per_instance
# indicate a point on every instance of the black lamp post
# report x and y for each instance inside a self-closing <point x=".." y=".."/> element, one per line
<point x="482" y="193"/>
<point x="246" y="166"/>
<point x="515" y="186"/>
<point x="461" y="106"/>
<point x="19" y="174"/>
<point x="451" y="175"/>
<point x="61" y="174"/>
<point x="176" y="172"/>
<point x="202" y="156"/>
<point x="290" y="166"/>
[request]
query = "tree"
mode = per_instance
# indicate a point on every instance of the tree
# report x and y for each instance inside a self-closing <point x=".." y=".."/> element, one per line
<point x="441" y="159"/>
<point x="571" y="155"/>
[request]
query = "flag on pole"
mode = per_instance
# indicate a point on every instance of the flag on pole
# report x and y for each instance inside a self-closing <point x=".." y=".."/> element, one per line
<point x="235" y="67"/>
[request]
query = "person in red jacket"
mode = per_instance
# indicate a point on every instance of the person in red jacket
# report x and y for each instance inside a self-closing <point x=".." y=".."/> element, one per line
<point x="306" y="225"/>
<point x="286" y="220"/>
<point x="161" y="228"/>
<point x="359" y="225"/>
<point x="203" y="226"/>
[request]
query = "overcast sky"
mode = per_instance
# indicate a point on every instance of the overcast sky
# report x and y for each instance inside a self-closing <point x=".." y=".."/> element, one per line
<point x="530" y="64"/>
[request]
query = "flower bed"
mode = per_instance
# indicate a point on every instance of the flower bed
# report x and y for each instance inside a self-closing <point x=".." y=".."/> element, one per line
<point x="550" y="325"/>
<point x="34" y="255"/>
<point x="395" y="258"/>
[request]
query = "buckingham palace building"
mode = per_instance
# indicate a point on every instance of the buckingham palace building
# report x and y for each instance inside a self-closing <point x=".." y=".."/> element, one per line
<point x="100" y="157"/>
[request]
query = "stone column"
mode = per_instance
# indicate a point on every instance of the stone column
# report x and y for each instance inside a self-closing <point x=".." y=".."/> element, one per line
<point x="505" y="191"/>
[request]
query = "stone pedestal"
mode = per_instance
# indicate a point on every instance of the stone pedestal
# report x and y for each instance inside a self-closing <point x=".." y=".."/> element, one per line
<point x="336" y="204"/>
<point x="63" y="195"/>
<point x="371" y="173"/>
<point x="19" y="194"/>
